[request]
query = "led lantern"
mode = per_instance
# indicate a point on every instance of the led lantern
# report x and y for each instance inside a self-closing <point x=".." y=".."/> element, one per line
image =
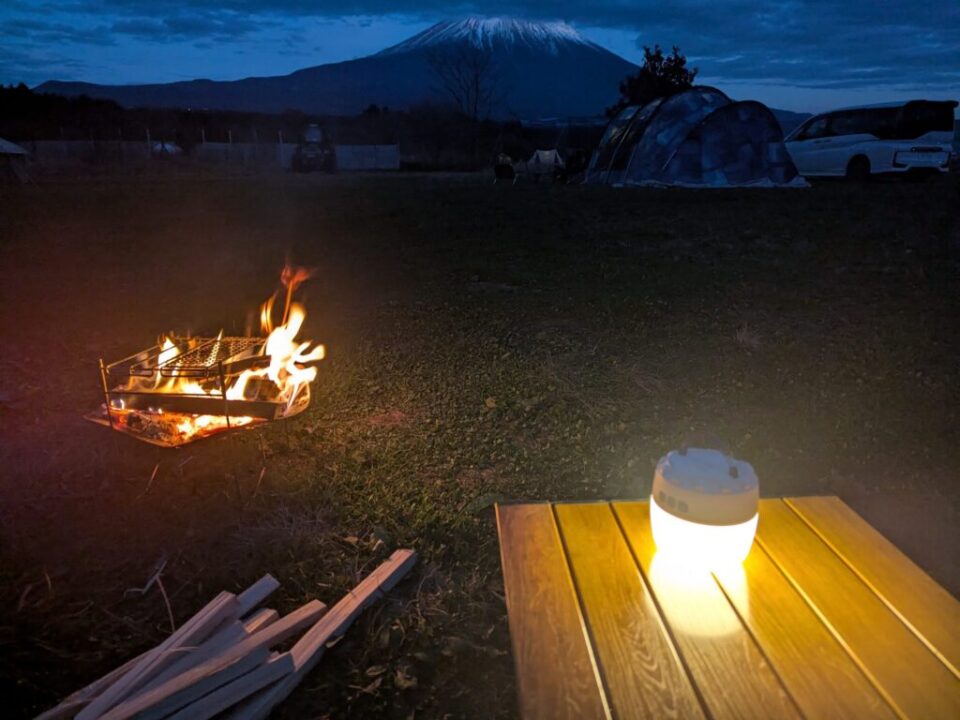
<point x="703" y="508"/>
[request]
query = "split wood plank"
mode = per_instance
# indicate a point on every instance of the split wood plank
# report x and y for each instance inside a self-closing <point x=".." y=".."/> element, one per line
<point x="911" y="678"/>
<point x="246" y="601"/>
<point x="218" y="670"/>
<point x="545" y="620"/>
<point x="259" y="620"/>
<point x="186" y="696"/>
<point x="927" y="609"/>
<point x="257" y="593"/>
<point x="226" y="696"/>
<point x="227" y="637"/>
<point x="194" y="631"/>
<point x="309" y="649"/>
<point x="101" y="683"/>
<point x="706" y="630"/>
<point x="78" y="700"/>
<point x="821" y="677"/>
<point x="65" y="710"/>
<point x="641" y="670"/>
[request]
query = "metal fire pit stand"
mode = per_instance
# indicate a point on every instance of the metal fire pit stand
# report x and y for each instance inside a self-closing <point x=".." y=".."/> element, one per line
<point x="210" y="359"/>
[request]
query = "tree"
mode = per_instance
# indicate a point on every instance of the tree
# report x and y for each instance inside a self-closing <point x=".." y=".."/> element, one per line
<point x="470" y="77"/>
<point x="659" y="76"/>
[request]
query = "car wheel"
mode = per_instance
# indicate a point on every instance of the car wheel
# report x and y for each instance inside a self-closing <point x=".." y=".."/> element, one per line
<point x="858" y="169"/>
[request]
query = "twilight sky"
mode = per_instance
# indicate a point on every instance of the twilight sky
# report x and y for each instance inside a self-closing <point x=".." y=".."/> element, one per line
<point x="806" y="55"/>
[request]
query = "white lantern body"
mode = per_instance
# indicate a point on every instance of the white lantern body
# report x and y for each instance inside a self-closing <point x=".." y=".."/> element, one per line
<point x="703" y="508"/>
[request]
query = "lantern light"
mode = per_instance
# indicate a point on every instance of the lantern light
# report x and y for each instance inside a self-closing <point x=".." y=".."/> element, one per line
<point x="703" y="508"/>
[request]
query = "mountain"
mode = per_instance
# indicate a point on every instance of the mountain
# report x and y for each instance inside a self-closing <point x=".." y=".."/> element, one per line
<point x="788" y="119"/>
<point x="543" y="69"/>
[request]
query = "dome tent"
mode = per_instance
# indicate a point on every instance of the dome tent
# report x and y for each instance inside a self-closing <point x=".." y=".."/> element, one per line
<point x="13" y="163"/>
<point x="697" y="138"/>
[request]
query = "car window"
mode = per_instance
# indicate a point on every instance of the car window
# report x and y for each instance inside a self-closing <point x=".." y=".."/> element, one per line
<point x="816" y="129"/>
<point x="921" y="117"/>
<point x="881" y="122"/>
<point x="851" y="123"/>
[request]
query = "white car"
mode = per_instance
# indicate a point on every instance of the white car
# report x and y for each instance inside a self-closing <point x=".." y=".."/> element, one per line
<point x="914" y="136"/>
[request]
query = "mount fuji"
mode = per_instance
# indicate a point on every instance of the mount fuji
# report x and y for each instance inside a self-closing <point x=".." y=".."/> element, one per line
<point x="543" y="69"/>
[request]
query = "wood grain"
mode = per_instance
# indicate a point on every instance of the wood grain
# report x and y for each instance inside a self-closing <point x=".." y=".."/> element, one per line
<point x="927" y="609"/>
<point x="911" y="678"/>
<point x="556" y="676"/>
<point x="641" y="671"/>
<point x="733" y="676"/>
<point x="821" y="677"/>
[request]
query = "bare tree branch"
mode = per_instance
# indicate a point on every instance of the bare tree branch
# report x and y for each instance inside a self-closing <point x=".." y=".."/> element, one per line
<point x="469" y="76"/>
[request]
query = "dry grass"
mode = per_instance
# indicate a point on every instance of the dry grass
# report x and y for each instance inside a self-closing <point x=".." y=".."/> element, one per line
<point x="486" y="342"/>
<point x="747" y="338"/>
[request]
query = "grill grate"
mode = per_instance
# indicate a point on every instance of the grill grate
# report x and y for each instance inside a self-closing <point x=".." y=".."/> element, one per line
<point x="202" y="360"/>
<point x="197" y="358"/>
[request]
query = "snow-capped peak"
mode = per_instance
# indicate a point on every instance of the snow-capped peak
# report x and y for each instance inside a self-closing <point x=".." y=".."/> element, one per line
<point x="488" y="32"/>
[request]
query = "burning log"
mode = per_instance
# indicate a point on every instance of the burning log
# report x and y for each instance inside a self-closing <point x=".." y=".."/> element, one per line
<point x="187" y="388"/>
<point x="233" y="666"/>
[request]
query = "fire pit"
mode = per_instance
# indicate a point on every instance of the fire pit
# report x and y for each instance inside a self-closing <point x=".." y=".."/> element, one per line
<point x="188" y="388"/>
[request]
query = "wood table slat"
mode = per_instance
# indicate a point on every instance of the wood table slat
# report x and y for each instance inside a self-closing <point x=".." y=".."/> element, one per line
<point x="929" y="610"/>
<point x="909" y="676"/>
<point x="556" y="675"/>
<point x="731" y="673"/>
<point x="821" y="677"/>
<point x="640" y="669"/>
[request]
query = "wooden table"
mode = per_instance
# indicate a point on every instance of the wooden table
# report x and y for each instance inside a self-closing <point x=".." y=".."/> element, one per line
<point x="827" y="619"/>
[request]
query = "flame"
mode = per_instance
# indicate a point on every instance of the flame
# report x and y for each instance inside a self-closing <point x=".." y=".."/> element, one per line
<point x="282" y="376"/>
<point x="266" y="315"/>
<point x="291" y="278"/>
<point x="286" y="358"/>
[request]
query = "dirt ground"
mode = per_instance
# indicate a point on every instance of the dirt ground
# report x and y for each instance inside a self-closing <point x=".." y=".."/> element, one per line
<point x="484" y="343"/>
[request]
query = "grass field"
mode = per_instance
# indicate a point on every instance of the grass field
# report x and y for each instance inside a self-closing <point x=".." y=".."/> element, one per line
<point x="484" y="343"/>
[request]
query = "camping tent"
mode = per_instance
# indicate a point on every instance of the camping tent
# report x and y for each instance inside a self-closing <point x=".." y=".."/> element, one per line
<point x="698" y="137"/>
<point x="13" y="162"/>
<point x="545" y="162"/>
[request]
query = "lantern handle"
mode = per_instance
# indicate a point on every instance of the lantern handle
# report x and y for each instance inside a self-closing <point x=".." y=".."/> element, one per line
<point x="710" y="441"/>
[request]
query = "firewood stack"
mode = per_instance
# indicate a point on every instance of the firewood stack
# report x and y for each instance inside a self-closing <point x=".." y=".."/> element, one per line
<point x="222" y="660"/>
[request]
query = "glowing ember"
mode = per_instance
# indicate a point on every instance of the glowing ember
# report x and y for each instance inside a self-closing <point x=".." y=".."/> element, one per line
<point x="190" y="388"/>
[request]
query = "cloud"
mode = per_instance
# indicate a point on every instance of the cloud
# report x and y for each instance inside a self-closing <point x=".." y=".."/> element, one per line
<point x="31" y="66"/>
<point x="805" y="43"/>
<point x="212" y="26"/>
<point x="54" y="33"/>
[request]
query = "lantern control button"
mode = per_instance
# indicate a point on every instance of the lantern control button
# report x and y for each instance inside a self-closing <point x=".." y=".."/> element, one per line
<point x="706" y="486"/>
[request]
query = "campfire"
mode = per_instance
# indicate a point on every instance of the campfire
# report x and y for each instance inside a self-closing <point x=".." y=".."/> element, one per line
<point x="188" y="388"/>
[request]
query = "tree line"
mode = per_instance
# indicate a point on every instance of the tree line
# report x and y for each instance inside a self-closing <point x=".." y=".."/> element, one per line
<point x="459" y="134"/>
